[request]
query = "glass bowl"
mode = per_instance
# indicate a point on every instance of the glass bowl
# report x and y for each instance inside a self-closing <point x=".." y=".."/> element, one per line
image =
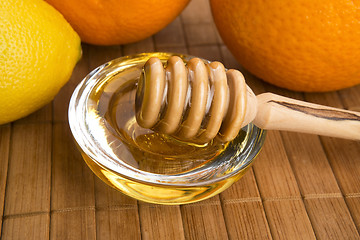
<point x="143" y="164"/>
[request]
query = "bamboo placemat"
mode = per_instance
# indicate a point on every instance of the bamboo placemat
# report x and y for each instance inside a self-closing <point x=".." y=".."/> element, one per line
<point x="300" y="187"/>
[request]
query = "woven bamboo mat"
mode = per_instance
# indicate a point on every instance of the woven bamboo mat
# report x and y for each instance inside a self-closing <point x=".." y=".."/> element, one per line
<point x="300" y="187"/>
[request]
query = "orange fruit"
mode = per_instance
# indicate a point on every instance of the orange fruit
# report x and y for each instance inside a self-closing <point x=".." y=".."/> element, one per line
<point x="300" y="45"/>
<point x="113" y="22"/>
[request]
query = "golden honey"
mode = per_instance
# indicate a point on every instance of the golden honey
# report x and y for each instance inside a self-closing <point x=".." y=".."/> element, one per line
<point x="141" y="163"/>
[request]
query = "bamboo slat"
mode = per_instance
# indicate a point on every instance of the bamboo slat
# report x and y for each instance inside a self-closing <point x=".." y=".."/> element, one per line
<point x="4" y="157"/>
<point x="160" y="222"/>
<point x="288" y="220"/>
<point x="116" y="214"/>
<point x="171" y="36"/>
<point x="26" y="227"/>
<point x="353" y="203"/>
<point x="72" y="182"/>
<point x="244" y="211"/>
<point x="28" y="185"/>
<point x="73" y="224"/>
<point x="204" y="220"/>
<point x="146" y="45"/>
<point x="209" y="52"/>
<point x="350" y="98"/>
<point x="331" y="219"/>
<point x="72" y="195"/>
<point x="245" y="219"/>
<point x="200" y="34"/>
<point x="27" y="194"/>
<point x="273" y="169"/>
<point x="311" y="167"/>
<point x="197" y="12"/>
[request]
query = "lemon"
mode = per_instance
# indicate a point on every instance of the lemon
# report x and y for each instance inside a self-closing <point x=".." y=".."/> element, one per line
<point x="38" y="52"/>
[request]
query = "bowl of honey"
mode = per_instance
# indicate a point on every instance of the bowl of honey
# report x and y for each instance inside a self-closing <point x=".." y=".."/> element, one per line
<point x="142" y="163"/>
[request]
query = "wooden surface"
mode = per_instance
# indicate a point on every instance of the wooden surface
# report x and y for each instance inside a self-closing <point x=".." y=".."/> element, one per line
<point x="300" y="187"/>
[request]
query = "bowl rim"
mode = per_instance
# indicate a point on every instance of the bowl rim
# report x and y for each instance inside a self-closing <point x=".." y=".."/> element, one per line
<point x="81" y="136"/>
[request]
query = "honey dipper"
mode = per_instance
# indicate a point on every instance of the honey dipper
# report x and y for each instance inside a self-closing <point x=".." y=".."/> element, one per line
<point x="201" y="101"/>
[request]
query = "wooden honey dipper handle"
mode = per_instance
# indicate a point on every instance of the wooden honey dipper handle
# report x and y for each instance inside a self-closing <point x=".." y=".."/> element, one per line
<point x="201" y="101"/>
<point x="280" y="113"/>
